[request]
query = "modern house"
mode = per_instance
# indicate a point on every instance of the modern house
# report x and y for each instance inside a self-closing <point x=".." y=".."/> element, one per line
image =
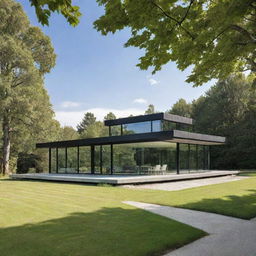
<point x="152" y="144"/>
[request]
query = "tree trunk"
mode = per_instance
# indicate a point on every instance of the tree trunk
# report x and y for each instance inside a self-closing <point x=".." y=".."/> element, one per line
<point x="6" y="146"/>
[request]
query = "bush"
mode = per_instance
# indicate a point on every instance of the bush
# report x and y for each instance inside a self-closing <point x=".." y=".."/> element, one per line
<point x="28" y="162"/>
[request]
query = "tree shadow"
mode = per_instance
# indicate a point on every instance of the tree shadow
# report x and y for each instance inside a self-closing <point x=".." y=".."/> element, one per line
<point x="107" y="231"/>
<point x="243" y="206"/>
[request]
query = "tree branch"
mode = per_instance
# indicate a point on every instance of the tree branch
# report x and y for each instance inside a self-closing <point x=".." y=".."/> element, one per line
<point x="174" y="19"/>
<point x="186" y="14"/>
<point x="243" y="32"/>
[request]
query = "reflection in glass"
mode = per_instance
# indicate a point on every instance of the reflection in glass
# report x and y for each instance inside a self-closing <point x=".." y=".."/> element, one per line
<point x="168" y="126"/>
<point x="115" y="130"/>
<point x="133" y="128"/>
<point x="61" y="160"/>
<point x="85" y="159"/>
<point x="144" y="158"/>
<point x="184" y="155"/>
<point x="72" y="160"/>
<point x="53" y="160"/>
<point x="156" y="126"/>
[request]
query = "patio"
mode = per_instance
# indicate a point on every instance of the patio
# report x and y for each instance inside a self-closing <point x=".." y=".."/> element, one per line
<point x="121" y="179"/>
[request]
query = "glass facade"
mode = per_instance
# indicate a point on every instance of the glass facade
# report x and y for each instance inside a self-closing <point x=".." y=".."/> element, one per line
<point x="142" y="127"/>
<point x="85" y="159"/>
<point x="144" y="158"/>
<point x="145" y="127"/>
<point x="157" y="126"/>
<point x="115" y="130"/>
<point x="72" y="161"/>
<point x="130" y="158"/>
<point x="194" y="157"/>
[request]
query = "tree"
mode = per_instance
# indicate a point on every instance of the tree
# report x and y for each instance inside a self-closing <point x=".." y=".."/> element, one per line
<point x="96" y="129"/>
<point x="26" y="55"/>
<point x="228" y="109"/>
<point x="150" y="109"/>
<point x="87" y="120"/>
<point x="45" y="8"/>
<point x="216" y="38"/>
<point x="69" y="133"/>
<point x="181" y="108"/>
<point x="110" y="116"/>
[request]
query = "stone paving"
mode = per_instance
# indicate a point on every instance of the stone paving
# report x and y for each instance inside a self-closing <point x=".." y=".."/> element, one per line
<point x="228" y="236"/>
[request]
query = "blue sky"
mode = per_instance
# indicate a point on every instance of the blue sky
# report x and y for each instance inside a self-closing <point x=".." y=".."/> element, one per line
<point x="96" y="73"/>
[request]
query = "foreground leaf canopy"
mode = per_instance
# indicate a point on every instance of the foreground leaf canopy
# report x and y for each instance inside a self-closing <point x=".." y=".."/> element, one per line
<point x="215" y="38"/>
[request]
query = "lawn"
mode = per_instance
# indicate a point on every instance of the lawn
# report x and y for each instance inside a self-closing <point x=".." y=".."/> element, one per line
<point x="247" y="173"/>
<point x="41" y="218"/>
<point x="237" y="199"/>
<point x="56" y="219"/>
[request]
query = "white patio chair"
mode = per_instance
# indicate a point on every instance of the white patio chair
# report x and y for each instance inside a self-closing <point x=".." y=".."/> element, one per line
<point x="164" y="168"/>
<point x="157" y="169"/>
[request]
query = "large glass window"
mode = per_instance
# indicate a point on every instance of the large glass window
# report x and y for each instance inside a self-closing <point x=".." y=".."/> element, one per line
<point x="156" y="126"/>
<point x="133" y="128"/>
<point x="192" y="157"/>
<point x="72" y="165"/>
<point x="115" y="130"/>
<point x="61" y="160"/>
<point x="168" y="126"/>
<point x="53" y="160"/>
<point x="144" y="158"/>
<point x="106" y="159"/>
<point x="184" y="157"/>
<point x="85" y="159"/>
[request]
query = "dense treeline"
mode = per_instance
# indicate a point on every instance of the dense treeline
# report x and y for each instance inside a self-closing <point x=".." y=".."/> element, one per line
<point x="227" y="109"/>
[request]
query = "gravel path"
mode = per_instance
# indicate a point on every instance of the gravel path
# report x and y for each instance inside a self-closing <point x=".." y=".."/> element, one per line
<point x="228" y="236"/>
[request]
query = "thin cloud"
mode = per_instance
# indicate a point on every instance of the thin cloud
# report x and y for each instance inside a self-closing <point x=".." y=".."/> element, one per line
<point x="140" y="101"/>
<point x="70" y="104"/>
<point x="153" y="81"/>
<point x="72" y="118"/>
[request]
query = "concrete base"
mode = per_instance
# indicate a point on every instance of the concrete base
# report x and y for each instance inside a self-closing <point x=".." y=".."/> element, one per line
<point x="120" y="179"/>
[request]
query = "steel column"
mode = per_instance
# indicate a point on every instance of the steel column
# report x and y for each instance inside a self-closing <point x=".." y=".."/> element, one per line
<point x="50" y="160"/>
<point x="78" y="159"/>
<point x="111" y="159"/>
<point x="66" y="158"/>
<point x="57" y="160"/>
<point x="178" y="157"/>
<point x="92" y="160"/>
<point x="197" y="158"/>
<point x="101" y="162"/>
<point x="209" y="158"/>
<point x="189" y="157"/>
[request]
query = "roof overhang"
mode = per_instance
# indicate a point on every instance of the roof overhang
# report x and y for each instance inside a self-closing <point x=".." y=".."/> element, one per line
<point x="151" y="117"/>
<point x="168" y="136"/>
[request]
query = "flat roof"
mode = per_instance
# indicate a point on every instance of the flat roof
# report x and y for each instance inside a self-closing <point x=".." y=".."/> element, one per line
<point x="168" y="136"/>
<point x="150" y="117"/>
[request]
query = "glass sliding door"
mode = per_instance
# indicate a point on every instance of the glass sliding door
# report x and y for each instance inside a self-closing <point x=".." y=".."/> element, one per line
<point x="85" y="159"/>
<point x="53" y="167"/>
<point x="61" y="160"/>
<point x="151" y="158"/>
<point x="72" y="160"/>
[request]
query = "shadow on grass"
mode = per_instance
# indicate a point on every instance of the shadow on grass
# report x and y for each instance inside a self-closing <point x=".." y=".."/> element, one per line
<point x="108" y="231"/>
<point x="236" y="206"/>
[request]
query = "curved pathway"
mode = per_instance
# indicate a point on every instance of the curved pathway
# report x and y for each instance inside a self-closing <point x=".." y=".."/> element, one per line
<point x="228" y="236"/>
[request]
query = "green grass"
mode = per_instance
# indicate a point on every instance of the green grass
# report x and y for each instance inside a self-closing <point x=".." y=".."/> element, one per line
<point x="41" y="218"/>
<point x="56" y="219"/>
<point x="237" y="199"/>
<point x="247" y="173"/>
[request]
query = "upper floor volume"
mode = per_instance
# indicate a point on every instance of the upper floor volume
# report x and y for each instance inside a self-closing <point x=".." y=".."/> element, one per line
<point x="148" y="123"/>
